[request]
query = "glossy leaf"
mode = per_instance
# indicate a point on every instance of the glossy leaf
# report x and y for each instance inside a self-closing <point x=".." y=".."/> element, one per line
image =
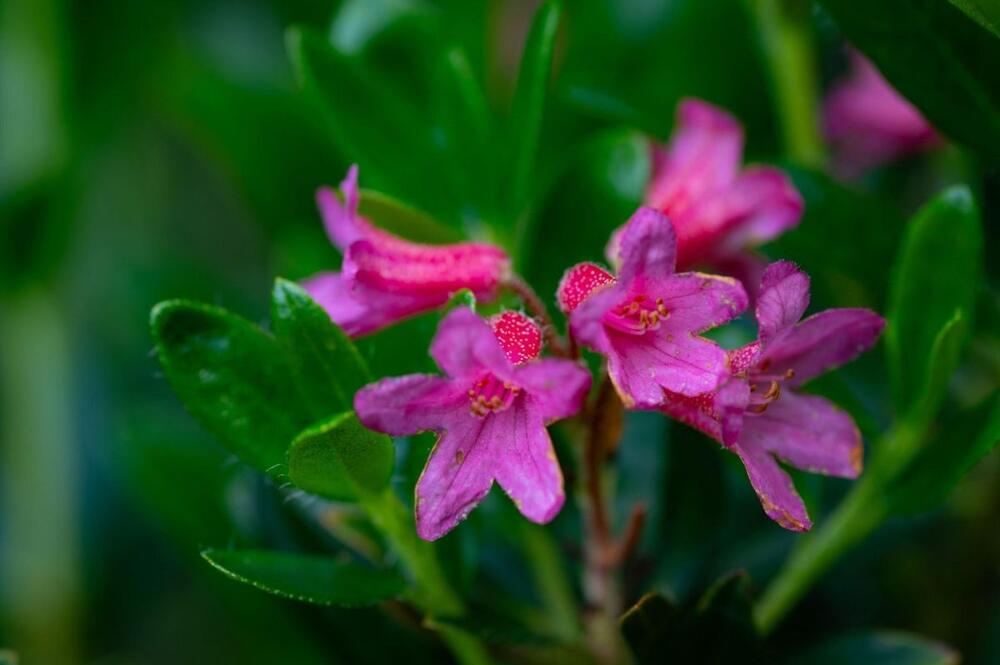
<point x="327" y="367"/>
<point x="340" y="459"/>
<point x="938" y="58"/>
<point x="936" y="273"/>
<point x="232" y="377"/>
<point x="311" y="579"/>
<point x="878" y="648"/>
<point x="529" y="101"/>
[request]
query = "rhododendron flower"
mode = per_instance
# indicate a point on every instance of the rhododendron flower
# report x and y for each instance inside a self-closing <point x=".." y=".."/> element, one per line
<point x="869" y="123"/>
<point x="717" y="209"/>
<point x="647" y="320"/>
<point x="490" y="411"/>
<point x="385" y="278"/>
<point x="758" y="412"/>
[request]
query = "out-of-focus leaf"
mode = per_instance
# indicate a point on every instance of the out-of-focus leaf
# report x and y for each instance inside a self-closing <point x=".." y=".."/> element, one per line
<point x="877" y="648"/>
<point x="938" y="58"/>
<point x="341" y="459"/>
<point x="311" y="579"/>
<point x="232" y="377"/>
<point x="370" y="120"/>
<point x="600" y="191"/>
<point x="358" y="21"/>
<point x="400" y="349"/>
<point x="529" y="102"/>
<point x="948" y="458"/>
<point x="941" y="364"/>
<point x="984" y="12"/>
<point x="719" y="628"/>
<point x="846" y="241"/>
<point x="327" y="367"/>
<point x="404" y="220"/>
<point x="936" y="273"/>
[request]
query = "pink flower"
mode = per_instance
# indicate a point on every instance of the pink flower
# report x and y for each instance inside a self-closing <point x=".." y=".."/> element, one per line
<point x="647" y="320"/>
<point x="718" y="211"/>
<point x="490" y="410"/>
<point x="759" y="414"/>
<point x="385" y="278"/>
<point x="869" y="124"/>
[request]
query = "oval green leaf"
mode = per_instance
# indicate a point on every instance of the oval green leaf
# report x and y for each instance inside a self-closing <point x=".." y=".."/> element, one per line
<point x="327" y="367"/>
<point x="232" y="377"/>
<point x="878" y="648"/>
<point x="340" y="459"/>
<point x="937" y="272"/>
<point x="404" y="220"/>
<point x="311" y="579"/>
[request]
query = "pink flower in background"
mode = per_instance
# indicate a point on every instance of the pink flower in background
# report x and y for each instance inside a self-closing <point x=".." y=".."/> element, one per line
<point x="719" y="211"/>
<point x="385" y="278"/>
<point x="490" y="409"/>
<point x="647" y="320"/>
<point x="868" y="123"/>
<point x="759" y="414"/>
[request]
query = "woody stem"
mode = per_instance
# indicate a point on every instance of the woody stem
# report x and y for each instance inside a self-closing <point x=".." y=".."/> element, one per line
<point x="536" y="307"/>
<point x="601" y="584"/>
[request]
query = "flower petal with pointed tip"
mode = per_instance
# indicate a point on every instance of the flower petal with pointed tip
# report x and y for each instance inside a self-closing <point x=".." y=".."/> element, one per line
<point x="784" y="297"/>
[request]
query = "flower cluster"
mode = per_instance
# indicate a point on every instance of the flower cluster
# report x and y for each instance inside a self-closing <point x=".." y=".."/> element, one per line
<point x="498" y="395"/>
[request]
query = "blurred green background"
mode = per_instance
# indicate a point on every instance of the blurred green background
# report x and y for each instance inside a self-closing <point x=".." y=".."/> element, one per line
<point x="158" y="150"/>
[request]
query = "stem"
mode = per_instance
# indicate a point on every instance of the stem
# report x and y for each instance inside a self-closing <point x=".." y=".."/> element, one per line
<point x="434" y="593"/>
<point x="601" y="584"/>
<point x="858" y="515"/>
<point x="787" y="41"/>
<point x="536" y="306"/>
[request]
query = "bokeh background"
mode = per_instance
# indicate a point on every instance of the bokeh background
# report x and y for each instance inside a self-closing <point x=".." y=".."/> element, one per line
<point x="159" y="150"/>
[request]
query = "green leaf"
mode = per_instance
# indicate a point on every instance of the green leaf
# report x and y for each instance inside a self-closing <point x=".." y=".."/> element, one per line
<point x="717" y="629"/>
<point x="984" y="12"/>
<point x="340" y="459"/>
<point x="938" y="58"/>
<point x="878" y="648"/>
<point x="312" y="579"/>
<point x="529" y="102"/>
<point x="358" y="21"/>
<point x="404" y="220"/>
<point x="944" y="356"/>
<point x="327" y="367"/>
<point x="937" y="272"/>
<point x="232" y="377"/>
<point x="369" y="118"/>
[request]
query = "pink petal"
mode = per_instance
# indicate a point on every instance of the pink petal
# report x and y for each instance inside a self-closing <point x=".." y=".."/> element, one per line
<point x="703" y="156"/>
<point x="642" y="367"/>
<point x="784" y="297"/>
<point x="525" y="464"/>
<point x="748" y="267"/>
<point x="773" y="487"/>
<point x="808" y="432"/>
<point x="405" y="405"/>
<point x="648" y="248"/>
<point x="869" y="123"/>
<point x="586" y="323"/>
<point x="519" y="336"/>
<point x="579" y="283"/>
<point x="718" y="414"/>
<point x="557" y="388"/>
<point x="465" y="345"/>
<point x="697" y="302"/>
<point x="821" y="342"/>
<point x="458" y="474"/>
<point x="341" y="220"/>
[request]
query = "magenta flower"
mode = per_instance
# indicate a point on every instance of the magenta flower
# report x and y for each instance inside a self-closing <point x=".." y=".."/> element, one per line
<point x="490" y="411"/>
<point x="868" y="123"/>
<point x="718" y="211"/>
<point x="759" y="414"/>
<point x="647" y="320"/>
<point x="385" y="278"/>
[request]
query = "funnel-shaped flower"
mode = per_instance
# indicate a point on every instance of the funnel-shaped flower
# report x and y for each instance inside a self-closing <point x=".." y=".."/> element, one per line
<point x="717" y="209"/>
<point x="490" y="411"/>
<point x="758" y="412"/>
<point x="868" y="123"/>
<point x="385" y="278"/>
<point x="647" y="320"/>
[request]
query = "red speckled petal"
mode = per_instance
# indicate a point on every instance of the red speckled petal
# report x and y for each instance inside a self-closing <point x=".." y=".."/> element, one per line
<point x="520" y="337"/>
<point x="579" y="282"/>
